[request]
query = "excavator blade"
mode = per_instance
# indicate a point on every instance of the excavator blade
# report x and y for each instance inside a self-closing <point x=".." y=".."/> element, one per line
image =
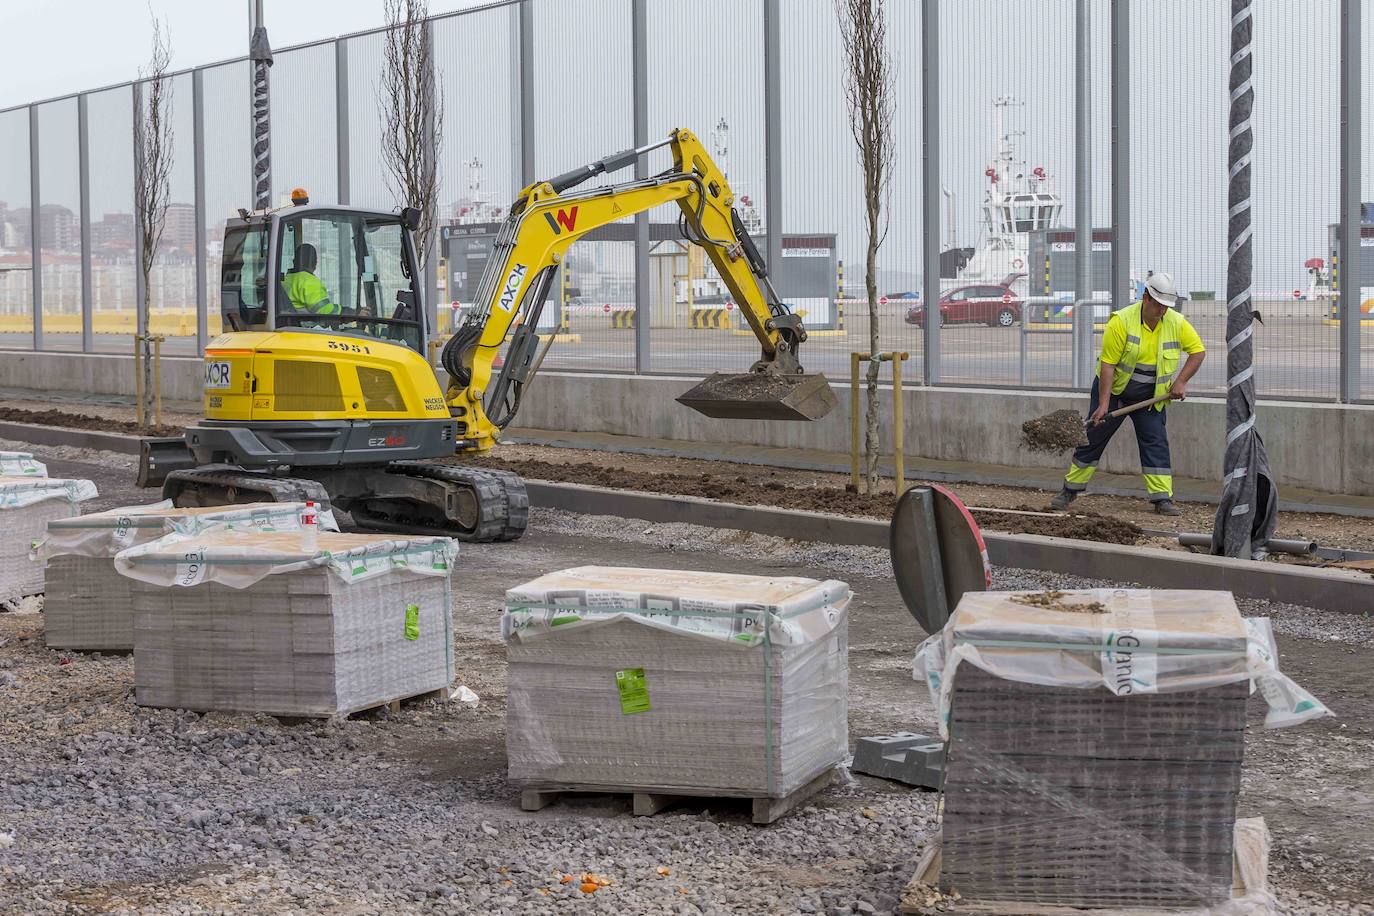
<point x="761" y="396"/>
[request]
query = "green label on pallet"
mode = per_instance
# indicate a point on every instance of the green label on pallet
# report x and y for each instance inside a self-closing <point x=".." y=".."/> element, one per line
<point x="634" y="690"/>
<point x="412" y="621"/>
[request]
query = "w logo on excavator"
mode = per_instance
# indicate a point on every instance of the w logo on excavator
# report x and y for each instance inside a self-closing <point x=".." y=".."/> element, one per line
<point x="567" y="219"/>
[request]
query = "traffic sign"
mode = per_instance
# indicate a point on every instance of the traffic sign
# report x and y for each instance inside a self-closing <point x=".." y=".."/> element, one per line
<point x="606" y="307"/>
<point x="882" y="300"/>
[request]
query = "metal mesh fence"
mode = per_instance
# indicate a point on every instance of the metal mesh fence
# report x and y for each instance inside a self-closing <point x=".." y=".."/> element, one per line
<point x="1007" y="163"/>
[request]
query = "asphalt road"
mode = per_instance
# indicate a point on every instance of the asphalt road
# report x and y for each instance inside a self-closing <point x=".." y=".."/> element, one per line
<point x="1295" y="356"/>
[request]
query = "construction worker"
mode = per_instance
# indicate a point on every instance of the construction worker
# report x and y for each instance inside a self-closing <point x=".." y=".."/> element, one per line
<point x="305" y="291"/>
<point x="1139" y="361"/>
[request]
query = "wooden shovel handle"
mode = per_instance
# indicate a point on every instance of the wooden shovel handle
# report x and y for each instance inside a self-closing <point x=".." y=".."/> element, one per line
<point x="1122" y="411"/>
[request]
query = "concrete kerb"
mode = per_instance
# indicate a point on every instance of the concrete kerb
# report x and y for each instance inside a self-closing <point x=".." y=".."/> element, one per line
<point x="75" y="438"/>
<point x="1329" y="589"/>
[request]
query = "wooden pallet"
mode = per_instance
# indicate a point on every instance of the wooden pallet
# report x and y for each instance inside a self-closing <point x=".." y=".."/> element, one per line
<point x="651" y="800"/>
<point x="442" y="694"/>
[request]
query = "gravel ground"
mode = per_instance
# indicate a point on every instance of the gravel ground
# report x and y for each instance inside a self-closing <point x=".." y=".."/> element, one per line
<point x="107" y="807"/>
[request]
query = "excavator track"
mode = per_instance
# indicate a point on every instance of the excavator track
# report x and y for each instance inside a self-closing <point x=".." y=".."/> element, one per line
<point x="480" y="505"/>
<point x="220" y="485"/>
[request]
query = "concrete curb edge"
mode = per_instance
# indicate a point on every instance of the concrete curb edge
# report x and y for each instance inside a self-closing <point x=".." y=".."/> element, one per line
<point x="1333" y="590"/>
<point x="64" y="436"/>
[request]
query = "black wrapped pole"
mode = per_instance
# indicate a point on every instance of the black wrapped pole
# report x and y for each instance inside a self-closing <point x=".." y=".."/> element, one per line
<point x="1249" y="500"/>
<point x="260" y="52"/>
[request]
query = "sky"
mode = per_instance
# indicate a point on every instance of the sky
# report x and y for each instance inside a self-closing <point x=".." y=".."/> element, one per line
<point x="990" y="48"/>
<point x="99" y="42"/>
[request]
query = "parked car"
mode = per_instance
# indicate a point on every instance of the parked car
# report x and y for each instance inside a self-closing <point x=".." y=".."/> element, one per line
<point x="984" y="303"/>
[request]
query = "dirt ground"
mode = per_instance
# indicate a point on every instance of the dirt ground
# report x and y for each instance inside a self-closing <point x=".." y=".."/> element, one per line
<point x="825" y="491"/>
<point x="1311" y="783"/>
<point x="1117" y="519"/>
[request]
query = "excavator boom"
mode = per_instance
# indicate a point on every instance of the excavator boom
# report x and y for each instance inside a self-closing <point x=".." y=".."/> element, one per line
<point x="544" y="222"/>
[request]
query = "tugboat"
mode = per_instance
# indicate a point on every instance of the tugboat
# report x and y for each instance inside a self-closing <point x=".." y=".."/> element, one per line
<point x="1017" y="202"/>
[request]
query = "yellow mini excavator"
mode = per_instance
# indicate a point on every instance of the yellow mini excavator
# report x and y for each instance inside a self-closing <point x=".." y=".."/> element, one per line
<point x="321" y="389"/>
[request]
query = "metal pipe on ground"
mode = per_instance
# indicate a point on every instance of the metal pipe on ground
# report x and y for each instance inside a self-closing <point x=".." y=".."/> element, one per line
<point x="1276" y="545"/>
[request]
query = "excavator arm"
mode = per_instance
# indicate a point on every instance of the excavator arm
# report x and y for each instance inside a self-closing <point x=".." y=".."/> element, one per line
<point x="544" y="222"/>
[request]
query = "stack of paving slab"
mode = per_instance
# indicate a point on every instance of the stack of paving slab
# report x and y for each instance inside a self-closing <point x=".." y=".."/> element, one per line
<point x="676" y="681"/>
<point x="266" y="622"/>
<point x="1095" y="745"/>
<point x="88" y="606"/>
<point x="29" y="499"/>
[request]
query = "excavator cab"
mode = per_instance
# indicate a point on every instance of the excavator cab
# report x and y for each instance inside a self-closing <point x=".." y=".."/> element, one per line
<point x="344" y="270"/>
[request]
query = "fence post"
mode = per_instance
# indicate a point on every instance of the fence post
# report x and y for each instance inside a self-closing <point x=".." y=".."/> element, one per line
<point x="930" y="185"/>
<point x="1082" y="186"/>
<point x="341" y="128"/>
<point x="35" y="231"/>
<point x="1351" y="282"/>
<point x="198" y="165"/>
<point x="772" y="133"/>
<point x="83" y="141"/>
<point x="639" y="61"/>
<point x="1121" y="153"/>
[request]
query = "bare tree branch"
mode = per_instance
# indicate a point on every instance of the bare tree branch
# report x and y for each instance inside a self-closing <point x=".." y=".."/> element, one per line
<point x="410" y="102"/>
<point x="869" y="91"/>
<point x="153" y="140"/>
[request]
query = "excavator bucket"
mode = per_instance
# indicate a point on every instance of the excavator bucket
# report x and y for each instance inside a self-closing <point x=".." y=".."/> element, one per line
<point x="761" y="396"/>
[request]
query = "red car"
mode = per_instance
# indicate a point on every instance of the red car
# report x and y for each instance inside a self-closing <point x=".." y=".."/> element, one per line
<point x="992" y="304"/>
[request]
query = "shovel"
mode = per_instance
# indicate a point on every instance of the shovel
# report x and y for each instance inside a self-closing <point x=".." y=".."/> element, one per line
<point x="1121" y="412"/>
<point x="1131" y="408"/>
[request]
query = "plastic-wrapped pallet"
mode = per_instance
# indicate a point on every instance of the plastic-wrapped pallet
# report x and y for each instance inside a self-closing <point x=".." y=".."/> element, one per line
<point x="87" y="605"/>
<point x="27" y="504"/>
<point x="668" y="679"/>
<point x="21" y="464"/>
<point x="249" y="621"/>
<point x="1095" y="743"/>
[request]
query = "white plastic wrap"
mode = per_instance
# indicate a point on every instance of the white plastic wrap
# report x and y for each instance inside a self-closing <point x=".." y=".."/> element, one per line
<point x="1131" y="641"/>
<point x="740" y="683"/>
<point x="21" y="464"/>
<point x="18" y="492"/>
<point x="88" y="605"/>
<point x="103" y="534"/>
<point x="239" y="558"/>
<point x="27" y="505"/>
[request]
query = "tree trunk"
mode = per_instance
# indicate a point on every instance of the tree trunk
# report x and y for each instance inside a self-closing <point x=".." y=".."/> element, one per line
<point x="871" y="438"/>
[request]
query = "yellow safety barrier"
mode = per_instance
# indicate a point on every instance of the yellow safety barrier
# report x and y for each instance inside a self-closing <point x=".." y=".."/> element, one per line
<point x="167" y="323"/>
<point x="710" y="319"/>
<point x="623" y="319"/>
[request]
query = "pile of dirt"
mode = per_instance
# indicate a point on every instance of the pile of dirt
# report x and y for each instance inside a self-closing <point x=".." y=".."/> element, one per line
<point x="1083" y="526"/>
<point x="1054" y="600"/>
<point x="762" y="489"/>
<point x="1055" y="432"/>
<point x="84" y="421"/>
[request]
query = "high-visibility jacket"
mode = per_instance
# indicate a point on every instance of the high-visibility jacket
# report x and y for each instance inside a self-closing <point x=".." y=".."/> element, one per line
<point x="308" y="294"/>
<point x="1166" y="358"/>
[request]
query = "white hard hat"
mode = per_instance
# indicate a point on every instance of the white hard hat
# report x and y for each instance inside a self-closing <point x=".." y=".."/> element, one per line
<point x="1161" y="288"/>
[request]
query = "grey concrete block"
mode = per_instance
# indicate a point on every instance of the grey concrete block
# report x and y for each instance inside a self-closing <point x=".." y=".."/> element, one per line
<point x="916" y="760"/>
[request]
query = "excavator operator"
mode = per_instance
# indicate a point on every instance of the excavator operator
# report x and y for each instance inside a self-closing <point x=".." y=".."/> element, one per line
<point x="305" y="291"/>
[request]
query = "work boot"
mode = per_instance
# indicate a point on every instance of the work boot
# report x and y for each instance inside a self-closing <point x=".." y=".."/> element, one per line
<point x="1166" y="507"/>
<point x="1062" y="501"/>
